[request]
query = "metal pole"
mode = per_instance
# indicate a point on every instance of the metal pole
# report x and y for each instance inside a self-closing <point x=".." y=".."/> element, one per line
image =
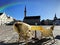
<point x="35" y="31"/>
<point x="35" y="34"/>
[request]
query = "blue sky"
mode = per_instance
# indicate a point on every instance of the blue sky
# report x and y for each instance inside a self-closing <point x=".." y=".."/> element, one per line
<point x="44" y="8"/>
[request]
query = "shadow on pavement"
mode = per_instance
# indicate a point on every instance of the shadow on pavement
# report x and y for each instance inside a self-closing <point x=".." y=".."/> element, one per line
<point x="57" y="37"/>
<point x="15" y="43"/>
<point x="38" y="42"/>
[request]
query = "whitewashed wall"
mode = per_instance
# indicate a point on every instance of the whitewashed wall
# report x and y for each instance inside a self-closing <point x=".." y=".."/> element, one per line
<point x="4" y="19"/>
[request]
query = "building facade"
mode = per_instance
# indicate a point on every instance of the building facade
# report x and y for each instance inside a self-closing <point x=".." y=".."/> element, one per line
<point x="32" y="20"/>
<point x="56" y="20"/>
<point x="48" y="22"/>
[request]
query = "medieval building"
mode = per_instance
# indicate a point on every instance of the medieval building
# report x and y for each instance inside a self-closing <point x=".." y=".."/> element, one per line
<point x="32" y="20"/>
<point x="56" y="20"/>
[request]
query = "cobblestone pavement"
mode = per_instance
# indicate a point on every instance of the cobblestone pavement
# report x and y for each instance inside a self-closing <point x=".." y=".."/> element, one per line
<point x="8" y="35"/>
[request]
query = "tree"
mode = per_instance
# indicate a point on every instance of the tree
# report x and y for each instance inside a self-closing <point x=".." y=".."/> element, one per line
<point x="42" y="22"/>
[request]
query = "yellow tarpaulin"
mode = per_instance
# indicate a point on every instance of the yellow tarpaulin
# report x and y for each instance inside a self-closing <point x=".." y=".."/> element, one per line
<point x="37" y="28"/>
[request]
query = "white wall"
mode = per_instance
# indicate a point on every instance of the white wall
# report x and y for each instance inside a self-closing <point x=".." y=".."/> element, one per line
<point x="4" y="19"/>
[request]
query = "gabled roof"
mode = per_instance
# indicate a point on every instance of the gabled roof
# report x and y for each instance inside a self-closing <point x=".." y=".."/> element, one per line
<point x="32" y="17"/>
<point x="1" y="13"/>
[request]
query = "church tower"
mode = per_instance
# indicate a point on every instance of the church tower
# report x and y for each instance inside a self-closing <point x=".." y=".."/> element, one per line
<point x="55" y="18"/>
<point x="25" y="12"/>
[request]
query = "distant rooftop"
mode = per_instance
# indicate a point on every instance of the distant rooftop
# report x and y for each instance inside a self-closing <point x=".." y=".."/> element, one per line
<point x="31" y="17"/>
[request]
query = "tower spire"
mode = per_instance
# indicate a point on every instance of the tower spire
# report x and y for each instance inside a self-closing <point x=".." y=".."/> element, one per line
<point x="25" y="12"/>
<point x="55" y="17"/>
